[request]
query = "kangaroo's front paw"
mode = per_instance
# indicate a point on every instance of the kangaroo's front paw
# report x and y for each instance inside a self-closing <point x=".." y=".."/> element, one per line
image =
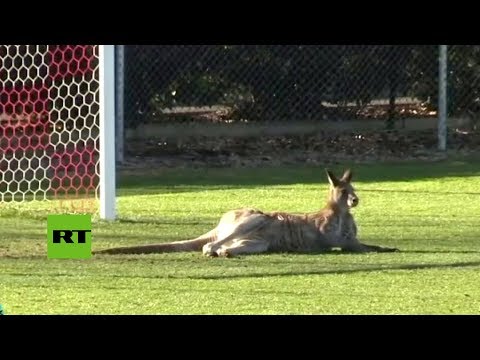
<point x="224" y="252"/>
<point x="209" y="250"/>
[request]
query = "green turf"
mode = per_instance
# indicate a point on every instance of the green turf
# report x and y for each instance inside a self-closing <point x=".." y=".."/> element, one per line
<point x="430" y="211"/>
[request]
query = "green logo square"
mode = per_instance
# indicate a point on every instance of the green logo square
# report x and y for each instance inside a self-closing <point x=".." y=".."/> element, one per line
<point x="69" y="236"/>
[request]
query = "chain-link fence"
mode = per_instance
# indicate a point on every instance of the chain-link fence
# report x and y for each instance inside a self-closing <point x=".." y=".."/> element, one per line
<point x="209" y="94"/>
<point x="49" y="126"/>
<point x="463" y="87"/>
<point x="278" y="83"/>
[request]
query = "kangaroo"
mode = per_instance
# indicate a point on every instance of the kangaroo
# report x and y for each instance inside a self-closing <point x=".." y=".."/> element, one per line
<point x="249" y="231"/>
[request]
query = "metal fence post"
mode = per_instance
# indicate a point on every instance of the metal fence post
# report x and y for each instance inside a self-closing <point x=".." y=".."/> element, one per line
<point x="119" y="103"/>
<point x="442" y="98"/>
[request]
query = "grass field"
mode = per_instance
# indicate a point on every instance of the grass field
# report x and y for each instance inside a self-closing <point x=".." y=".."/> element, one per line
<point x="430" y="211"/>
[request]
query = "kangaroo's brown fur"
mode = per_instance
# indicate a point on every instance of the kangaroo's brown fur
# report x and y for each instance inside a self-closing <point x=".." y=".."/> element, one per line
<point x="249" y="230"/>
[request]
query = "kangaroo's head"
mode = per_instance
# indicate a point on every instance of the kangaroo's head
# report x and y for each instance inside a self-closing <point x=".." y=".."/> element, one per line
<point x="342" y="192"/>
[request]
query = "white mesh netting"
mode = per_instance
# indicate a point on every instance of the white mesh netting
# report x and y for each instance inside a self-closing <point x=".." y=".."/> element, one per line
<point x="49" y="114"/>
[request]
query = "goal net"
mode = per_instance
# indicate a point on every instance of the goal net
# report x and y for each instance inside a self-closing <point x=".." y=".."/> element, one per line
<point x="51" y="114"/>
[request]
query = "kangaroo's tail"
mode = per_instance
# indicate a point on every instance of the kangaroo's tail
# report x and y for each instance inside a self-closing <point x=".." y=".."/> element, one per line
<point x="177" y="246"/>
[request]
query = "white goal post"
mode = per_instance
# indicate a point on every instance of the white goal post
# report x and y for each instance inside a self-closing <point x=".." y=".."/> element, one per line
<point x="107" y="132"/>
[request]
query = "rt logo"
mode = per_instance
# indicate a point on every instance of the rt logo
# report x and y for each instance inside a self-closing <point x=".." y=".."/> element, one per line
<point x="69" y="236"/>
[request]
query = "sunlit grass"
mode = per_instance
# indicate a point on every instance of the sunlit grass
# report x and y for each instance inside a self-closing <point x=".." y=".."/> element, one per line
<point x="429" y="211"/>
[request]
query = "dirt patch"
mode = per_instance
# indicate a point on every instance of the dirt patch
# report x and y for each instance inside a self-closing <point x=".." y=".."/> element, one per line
<point x="314" y="148"/>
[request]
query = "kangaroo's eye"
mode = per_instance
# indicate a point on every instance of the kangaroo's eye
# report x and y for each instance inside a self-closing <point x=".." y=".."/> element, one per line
<point x="344" y="191"/>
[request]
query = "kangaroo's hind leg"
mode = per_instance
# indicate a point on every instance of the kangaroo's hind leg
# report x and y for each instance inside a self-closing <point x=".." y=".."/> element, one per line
<point x="240" y="231"/>
<point x="243" y="246"/>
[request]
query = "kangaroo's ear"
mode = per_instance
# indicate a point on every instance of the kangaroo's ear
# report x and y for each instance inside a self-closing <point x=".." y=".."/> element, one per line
<point x="332" y="179"/>
<point x="347" y="175"/>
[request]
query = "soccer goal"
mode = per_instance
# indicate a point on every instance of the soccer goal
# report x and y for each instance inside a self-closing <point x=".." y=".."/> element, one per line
<point x="57" y="126"/>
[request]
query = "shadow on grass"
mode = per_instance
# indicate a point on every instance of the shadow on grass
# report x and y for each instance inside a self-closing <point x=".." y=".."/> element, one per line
<point x="340" y="271"/>
<point x="191" y="180"/>
<point x="153" y="259"/>
<point x="441" y="251"/>
<point x="365" y="269"/>
<point x="159" y="221"/>
<point x="421" y="192"/>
